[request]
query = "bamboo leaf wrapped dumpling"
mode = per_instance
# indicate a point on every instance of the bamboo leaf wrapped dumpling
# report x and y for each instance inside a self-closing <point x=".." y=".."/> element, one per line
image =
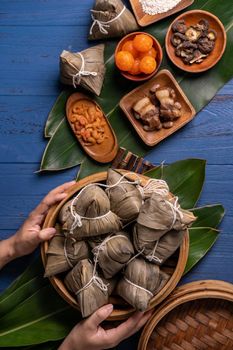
<point x="113" y="253"/>
<point x="85" y="68"/>
<point x="64" y="253"/>
<point x="90" y="214"/>
<point x="111" y="19"/>
<point x="125" y="197"/>
<point x="90" y="289"/>
<point x="141" y="281"/>
<point x="158" y="215"/>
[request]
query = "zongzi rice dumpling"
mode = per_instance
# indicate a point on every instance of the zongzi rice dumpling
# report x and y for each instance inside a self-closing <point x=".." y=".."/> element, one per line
<point x="141" y="281"/>
<point x="85" y="68"/>
<point x="159" y="215"/>
<point x="161" y="250"/>
<point x="64" y="253"/>
<point x="125" y="197"/>
<point x="90" y="289"/>
<point x="113" y="253"/>
<point x="90" y="214"/>
<point x="111" y="19"/>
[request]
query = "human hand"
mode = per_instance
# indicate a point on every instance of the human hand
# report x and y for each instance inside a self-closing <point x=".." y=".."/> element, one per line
<point x="89" y="335"/>
<point x="30" y="234"/>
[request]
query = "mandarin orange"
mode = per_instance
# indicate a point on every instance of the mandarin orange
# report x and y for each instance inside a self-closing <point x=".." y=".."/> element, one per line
<point x="148" y="65"/>
<point x="142" y="42"/>
<point x="128" y="46"/>
<point x="124" y="60"/>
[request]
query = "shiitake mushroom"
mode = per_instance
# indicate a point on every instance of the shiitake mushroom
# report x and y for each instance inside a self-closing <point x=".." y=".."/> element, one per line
<point x="192" y="34"/>
<point x="194" y="43"/>
<point x="179" y="27"/>
<point x="177" y="39"/>
<point x="205" y="45"/>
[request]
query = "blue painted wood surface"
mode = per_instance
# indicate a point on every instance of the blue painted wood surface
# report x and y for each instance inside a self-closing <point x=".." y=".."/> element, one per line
<point x="32" y="35"/>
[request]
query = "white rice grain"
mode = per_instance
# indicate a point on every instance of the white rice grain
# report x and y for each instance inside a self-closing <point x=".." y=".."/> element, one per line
<point x="153" y="7"/>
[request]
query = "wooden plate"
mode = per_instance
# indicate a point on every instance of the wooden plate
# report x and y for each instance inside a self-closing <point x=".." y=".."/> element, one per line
<point x="164" y="78"/>
<point x="174" y="266"/>
<point x="159" y="57"/>
<point x="191" y="18"/>
<point x="104" y="152"/>
<point x="144" y="20"/>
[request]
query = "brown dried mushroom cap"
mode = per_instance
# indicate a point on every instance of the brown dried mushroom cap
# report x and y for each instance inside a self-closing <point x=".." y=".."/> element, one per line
<point x="212" y="35"/>
<point x="203" y="25"/>
<point x="193" y="34"/>
<point x="205" y="45"/>
<point x="177" y="39"/>
<point x="179" y="26"/>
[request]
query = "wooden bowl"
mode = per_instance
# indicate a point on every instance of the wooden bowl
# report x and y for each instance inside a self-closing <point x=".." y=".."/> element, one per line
<point x="104" y="152"/>
<point x="174" y="266"/>
<point x="191" y="18"/>
<point x="197" y="315"/>
<point x="159" y="57"/>
<point x="144" y="19"/>
<point x="163" y="78"/>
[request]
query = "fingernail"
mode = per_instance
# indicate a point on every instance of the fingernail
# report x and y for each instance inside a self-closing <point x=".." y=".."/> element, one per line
<point x="109" y="308"/>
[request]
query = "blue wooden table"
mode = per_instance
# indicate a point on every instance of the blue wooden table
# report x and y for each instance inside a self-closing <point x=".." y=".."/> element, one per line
<point x="32" y="35"/>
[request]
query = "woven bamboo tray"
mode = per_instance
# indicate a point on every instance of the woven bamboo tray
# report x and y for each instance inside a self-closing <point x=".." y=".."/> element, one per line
<point x="174" y="266"/>
<point x="196" y="316"/>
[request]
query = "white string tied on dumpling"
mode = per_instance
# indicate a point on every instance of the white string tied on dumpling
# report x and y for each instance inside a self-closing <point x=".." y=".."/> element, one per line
<point x="78" y="218"/>
<point x="95" y="279"/>
<point x="154" y="186"/>
<point x="82" y="72"/>
<point x="152" y="257"/>
<point x="175" y="207"/>
<point x="99" y="248"/>
<point x="103" y="25"/>
<point x="139" y="287"/>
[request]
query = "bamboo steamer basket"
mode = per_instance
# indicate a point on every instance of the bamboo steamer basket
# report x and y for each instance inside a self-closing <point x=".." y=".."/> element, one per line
<point x="174" y="266"/>
<point x="195" y="316"/>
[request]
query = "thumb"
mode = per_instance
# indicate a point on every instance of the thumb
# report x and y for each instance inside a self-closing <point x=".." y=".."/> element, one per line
<point x="47" y="233"/>
<point x="99" y="316"/>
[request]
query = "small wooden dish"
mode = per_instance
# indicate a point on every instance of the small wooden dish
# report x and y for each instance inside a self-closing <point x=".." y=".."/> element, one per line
<point x="197" y="315"/>
<point x="163" y="78"/>
<point x="145" y="20"/>
<point x="107" y="150"/>
<point x="159" y="57"/>
<point x="191" y="18"/>
<point x="174" y="266"/>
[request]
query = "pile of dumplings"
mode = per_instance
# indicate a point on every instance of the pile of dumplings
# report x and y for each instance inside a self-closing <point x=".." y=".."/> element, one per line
<point x="113" y="239"/>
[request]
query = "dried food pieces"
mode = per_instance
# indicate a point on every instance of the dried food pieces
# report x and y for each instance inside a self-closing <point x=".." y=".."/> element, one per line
<point x="194" y="43"/>
<point x="88" y="122"/>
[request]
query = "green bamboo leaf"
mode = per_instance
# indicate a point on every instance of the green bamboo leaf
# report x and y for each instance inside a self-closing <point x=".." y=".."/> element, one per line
<point x="43" y="317"/>
<point x="33" y="270"/>
<point x="185" y="179"/>
<point x="62" y="151"/>
<point x="21" y="294"/>
<point x="57" y="113"/>
<point x="201" y="240"/>
<point x="208" y="216"/>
